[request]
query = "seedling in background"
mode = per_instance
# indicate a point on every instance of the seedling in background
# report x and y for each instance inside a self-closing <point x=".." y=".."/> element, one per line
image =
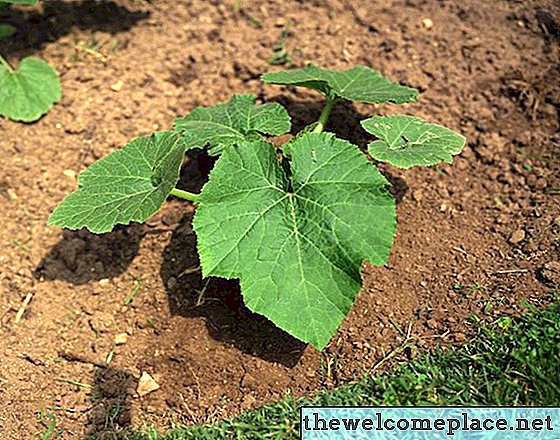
<point x="281" y="56"/>
<point x="30" y="90"/>
<point x="293" y="224"/>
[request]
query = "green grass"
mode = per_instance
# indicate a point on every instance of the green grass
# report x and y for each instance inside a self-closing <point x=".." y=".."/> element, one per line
<point x="511" y="362"/>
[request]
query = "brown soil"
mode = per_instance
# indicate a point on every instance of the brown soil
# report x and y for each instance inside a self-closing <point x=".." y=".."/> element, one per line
<point x="474" y="239"/>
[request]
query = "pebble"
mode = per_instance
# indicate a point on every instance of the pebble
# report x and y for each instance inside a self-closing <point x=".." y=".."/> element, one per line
<point x="171" y="218"/>
<point x="517" y="237"/>
<point x="432" y="324"/>
<point x="121" y="339"/>
<point x="117" y="86"/>
<point x="550" y="273"/>
<point x="249" y="381"/>
<point x="427" y="23"/>
<point x="153" y="221"/>
<point x="248" y="401"/>
<point x="146" y="384"/>
<point x="541" y="183"/>
<point x="417" y="195"/>
<point x="12" y="194"/>
<point x="460" y="337"/>
<point x="70" y="173"/>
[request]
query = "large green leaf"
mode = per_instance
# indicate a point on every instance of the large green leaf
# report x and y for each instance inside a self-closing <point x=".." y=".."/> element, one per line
<point x="227" y="124"/>
<point x="406" y="141"/>
<point x="360" y="83"/>
<point x="28" y="92"/>
<point x="128" y="185"/>
<point x="297" y="244"/>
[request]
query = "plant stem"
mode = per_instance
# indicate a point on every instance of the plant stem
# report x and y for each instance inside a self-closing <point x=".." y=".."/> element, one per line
<point x="323" y="119"/>
<point x="6" y="64"/>
<point x="191" y="197"/>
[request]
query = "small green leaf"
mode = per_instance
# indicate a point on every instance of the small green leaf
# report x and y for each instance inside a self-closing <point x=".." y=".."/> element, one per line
<point x="28" y="92"/>
<point x="406" y="141"/>
<point x="227" y="124"/>
<point x="128" y="185"/>
<point x="20" y="2"/>
<point x="361" y="84"/>
<point x="296" y="244"/>
<point x="6" y="30"/>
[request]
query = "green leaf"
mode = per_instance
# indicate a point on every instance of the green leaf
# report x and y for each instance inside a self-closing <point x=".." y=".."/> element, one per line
<point x="128" y="185"/>
<point x="406" y="141"/>
<point x="227" y="124"/>
<point x="6" y="30"/>
<point x="296" y="244"/>
<point x="28" y="92"/>
<point x="360" y="83"/>
<point x="20" y="2"/>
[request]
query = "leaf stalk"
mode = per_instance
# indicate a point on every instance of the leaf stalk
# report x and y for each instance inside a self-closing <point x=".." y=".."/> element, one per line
<point x="185" y="195"/>
<point x="324" y="118"/>
<point x="6" y="64"/>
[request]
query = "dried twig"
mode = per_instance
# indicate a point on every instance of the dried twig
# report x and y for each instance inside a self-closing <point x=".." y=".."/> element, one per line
<point x="22" y="308"/>
<point x="503" y="272"/>
<point x="95" y="53"/>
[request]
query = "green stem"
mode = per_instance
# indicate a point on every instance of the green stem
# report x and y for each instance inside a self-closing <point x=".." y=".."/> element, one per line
<point x="323" y="119"/>
<point x="191" y="197"/>
<point x="6" y="64"/>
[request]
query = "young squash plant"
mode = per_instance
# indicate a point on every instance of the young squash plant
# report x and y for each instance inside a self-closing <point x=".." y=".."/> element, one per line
<point x="30" y="90"/>
<point x="293" y="224"/>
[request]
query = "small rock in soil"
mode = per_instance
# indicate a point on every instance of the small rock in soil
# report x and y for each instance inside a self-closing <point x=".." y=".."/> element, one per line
<point x="153" y="221"/>
<point x="121" y="339"/>
<point x="171" y="218"/>
<point x="70" y="173"/>
<point x="146" y="384"/>
<point x="428" y="23"/>
<point x="250" y="382"/>
<point x="550" y="273"/>
<point x="12" y="194"/>
<point x="432" y="324"/>
<point x="248" y="401"/>
<point x="417" y="195"/>
<point x="117" y="86"/>
<point x="460" y="337"/>
<point x="517" y="237"/>
<point x="541" y="184"/>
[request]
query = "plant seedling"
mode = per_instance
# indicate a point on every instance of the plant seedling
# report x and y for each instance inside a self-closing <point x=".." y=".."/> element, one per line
<point x="281" y="56"/>
<point x="28" y="92"/>
<point x="293" y="224"/>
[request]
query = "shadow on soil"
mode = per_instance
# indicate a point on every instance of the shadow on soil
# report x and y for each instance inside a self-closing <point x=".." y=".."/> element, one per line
<point x="219" y="301"/>
<point x="81" y="257"/>
<point x="344" y="119"/>
<point x="111" y="401"/>
<point x="55" y="19"/>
